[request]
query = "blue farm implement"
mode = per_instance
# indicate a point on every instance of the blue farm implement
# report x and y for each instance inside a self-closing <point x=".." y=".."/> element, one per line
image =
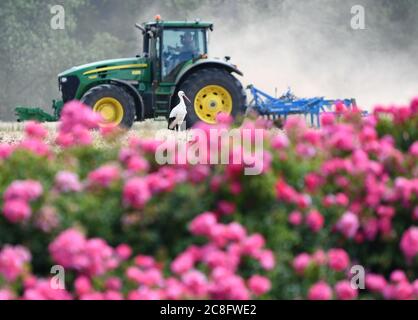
<point x="288" y="104"/>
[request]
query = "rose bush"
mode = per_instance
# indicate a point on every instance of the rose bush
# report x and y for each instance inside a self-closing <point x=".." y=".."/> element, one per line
<point x="125" y="227"/>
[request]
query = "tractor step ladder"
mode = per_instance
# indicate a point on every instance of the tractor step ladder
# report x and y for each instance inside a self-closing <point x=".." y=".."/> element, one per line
<point x="161" y="107"/>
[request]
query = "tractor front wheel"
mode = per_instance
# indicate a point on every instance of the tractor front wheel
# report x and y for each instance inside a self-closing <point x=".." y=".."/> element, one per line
<point x="113" y="103"/>
<point x="213" y="91"/>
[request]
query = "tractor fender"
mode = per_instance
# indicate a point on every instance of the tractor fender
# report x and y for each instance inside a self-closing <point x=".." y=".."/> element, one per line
<point x="206" y="63"/>
<point x="139" y="102"/>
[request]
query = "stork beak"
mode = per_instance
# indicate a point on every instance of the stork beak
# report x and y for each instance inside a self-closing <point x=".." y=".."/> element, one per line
<point x="187" y="98"/>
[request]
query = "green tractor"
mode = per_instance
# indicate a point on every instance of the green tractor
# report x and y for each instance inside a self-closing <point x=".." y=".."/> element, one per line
<point x="174" y="58"/>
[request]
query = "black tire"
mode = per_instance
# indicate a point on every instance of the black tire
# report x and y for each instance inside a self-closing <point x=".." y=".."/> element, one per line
<point x="213" y="76"/>
<point x="112" y="91"/>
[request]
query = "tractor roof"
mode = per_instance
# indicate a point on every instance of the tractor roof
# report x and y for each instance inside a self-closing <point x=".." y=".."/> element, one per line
<point x="180" y="24"/>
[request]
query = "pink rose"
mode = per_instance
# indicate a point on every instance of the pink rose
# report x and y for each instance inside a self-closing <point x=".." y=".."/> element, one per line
<point x="415" y="286"/>
<point x="134" y="274"/>
<point x="312" y="181"/>
<point x="415" y="214"/>
<point x="113" y="283"/>
<point x="17" y="211"/>
<point x="104" y="176"/>
<point x="403" y="291"/>
<point x="348" y="224"/>
<point x="253" y="244"/>
<point x="182" y="263"/>
<point x="42" y="290"/>
<point x="327" y="119"/>
<point x="235" y="188"/>
<point x="235" y="232"/>
<point x="219" y="235"/>
<point x="301" y="262"/>
<point x="344" y="291"/>
<point x="413" y="150"/>
<point x="67" y="182"/>
<point x="77" y="120"/>
<point x="137" y="164"/>
<point x="5" y="150"/>
<point x="320" y="257"/>
<point x="47" y="219"/>
<point x="112" y="295"/>
<point x="279" y="142"/>
<point x="259" y="285"/>
<point x="341" y="199"/>
<point x="35" y="130"/>
<point x="386" y="211"/>
<point x="224" y="118"/>
<point x="320" y="291"/>
<point x="409" y="243"/>
<point x="25" y="190"/>
<point x="82" y="285"/>
<point x="145" y="261"/>
<point x="315" y="221"/>
<point x="81" y="136"/>
<point x="92" y="257"/>
<point x="92" y="296"/>
<point x="203" y="224"/>
<point x="215" y="183"/>
<point x="371" y="228"/>
<point x="124" y="251"/>
<point x="35" y="146"/>
<point x="6" y="294"/>
<point x="375" y="283"/>
<point x="398" y="276"/>
<point x="136" y="193"/>
<point x="226" y="207"/>
<point x="196" y="283"/>
<point x="174" y="289"/>
<point x="266" y="259"/>
<point x="151" y="277"/>
<point x="146" y="294"/>
<point x="296" y="218"/>
<point x="414" y="105"/>
<point x="338" y="260"/>
<point x="285" y="192"/>
<point x="12" y="261"/>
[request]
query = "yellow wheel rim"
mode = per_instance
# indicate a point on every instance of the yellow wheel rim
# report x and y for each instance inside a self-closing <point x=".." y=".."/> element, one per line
<point x="210" y="101"/>
<point x="111" y="111"/>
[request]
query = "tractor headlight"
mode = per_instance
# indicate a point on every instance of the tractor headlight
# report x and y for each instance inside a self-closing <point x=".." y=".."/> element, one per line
<point x="64" y="80"/>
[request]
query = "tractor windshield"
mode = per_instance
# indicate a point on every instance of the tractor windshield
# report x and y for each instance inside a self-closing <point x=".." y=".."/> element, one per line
<point x="180" y="46"/>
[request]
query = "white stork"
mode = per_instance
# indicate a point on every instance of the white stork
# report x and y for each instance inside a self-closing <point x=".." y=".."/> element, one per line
<point x="178" y="114"/>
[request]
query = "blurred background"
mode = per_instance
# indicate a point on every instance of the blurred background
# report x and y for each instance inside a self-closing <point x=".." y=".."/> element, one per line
<point x="308" y="45"/>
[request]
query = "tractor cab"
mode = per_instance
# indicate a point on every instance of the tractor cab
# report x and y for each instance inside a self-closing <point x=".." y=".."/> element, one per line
<point x="172" y="45"/>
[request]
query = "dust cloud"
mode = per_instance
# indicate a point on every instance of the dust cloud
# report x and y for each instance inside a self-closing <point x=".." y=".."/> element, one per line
<point x="311" y="47"/>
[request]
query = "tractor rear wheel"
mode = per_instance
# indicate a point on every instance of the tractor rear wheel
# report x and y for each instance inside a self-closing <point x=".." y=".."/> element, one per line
<point x="113" y="103"/>
<point x="213" y="91"/>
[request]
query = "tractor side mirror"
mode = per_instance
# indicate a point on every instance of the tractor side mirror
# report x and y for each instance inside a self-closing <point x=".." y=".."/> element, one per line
<point x="138" y="26"/>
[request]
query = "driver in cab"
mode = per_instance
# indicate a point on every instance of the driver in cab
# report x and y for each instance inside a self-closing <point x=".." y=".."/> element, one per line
<point x="188" y="43"/>
<point x="188" y="49"/>
<point x="183" y="53"/>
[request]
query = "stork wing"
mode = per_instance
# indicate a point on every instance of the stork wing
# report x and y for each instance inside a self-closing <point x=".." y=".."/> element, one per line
<point x="173" y="112"/>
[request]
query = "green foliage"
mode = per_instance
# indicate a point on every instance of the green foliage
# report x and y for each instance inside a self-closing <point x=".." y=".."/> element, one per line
<point x="405" y="134"/>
